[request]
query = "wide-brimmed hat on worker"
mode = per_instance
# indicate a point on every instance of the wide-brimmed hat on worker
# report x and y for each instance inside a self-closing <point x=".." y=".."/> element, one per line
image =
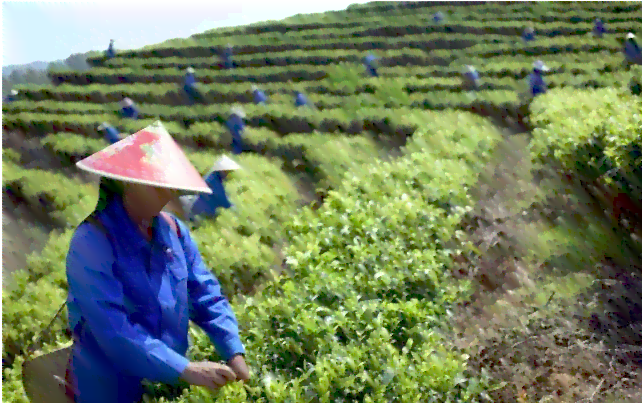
<point x="190" y="70"/>
<point x="468" y="69"/>
<point x="630" y="36"/>
<point x="370" y="58"/>
<point x="126" y="102"/>
<point x="13" y="92"/>
<point x="103" y="126"/>
<point x="225" y="163"/>
<point x="148" y="157"/>
<point x="238" y="111"/>
<point x="540" y="66"/>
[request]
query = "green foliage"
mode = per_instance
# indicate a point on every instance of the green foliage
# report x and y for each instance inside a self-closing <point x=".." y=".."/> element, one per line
<point x="579" y="128"/>
<point x="361" y="309"/>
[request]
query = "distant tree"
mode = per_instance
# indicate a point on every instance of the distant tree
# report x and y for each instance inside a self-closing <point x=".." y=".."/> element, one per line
<point x="6" y="87"/>
<point x="77" y="62"/>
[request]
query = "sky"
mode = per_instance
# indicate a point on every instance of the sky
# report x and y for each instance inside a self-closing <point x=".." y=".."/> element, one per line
<point x="52" y="30"/>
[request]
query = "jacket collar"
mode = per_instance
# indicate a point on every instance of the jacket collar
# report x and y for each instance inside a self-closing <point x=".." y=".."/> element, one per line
<point x="115" y="218"/>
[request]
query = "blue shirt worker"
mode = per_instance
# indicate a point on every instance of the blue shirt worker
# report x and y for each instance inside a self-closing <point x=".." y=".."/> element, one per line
<point x="110" y="53"/>
<point x="136" y="278"/>
<point x="599" y="28"/>
<point x="189" y="86"/>
<point x="236" y="127"/>
<point x="11" y="97"/>
<point x="227" y="57"/>
<point x="471" y="78"/>
<point x="536" y="82"/>
<point x="207" y="204"/>
<point x="529" y="34"/>
<point x="632" y="50"/>
<point x="300" y="99"/>
<point x="259" y="96"/>
<point x="369" y="63"/>
<point x="111" y="133"/>
<point x="438" y="17"/>
<point x="128" y="109"/>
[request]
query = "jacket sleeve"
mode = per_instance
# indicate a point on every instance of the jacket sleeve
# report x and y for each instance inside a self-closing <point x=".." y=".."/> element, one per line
<point x="210" y="309"/>
<point x="99" y="295"/>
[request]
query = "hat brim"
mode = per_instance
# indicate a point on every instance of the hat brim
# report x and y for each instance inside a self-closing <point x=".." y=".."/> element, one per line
<point x="149" y="157"/>
<point x="225" y="164"/>
<point x="200" y="190"/>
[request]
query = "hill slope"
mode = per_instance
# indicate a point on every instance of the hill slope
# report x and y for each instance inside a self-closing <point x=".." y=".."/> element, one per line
<point x="359" y="202"/>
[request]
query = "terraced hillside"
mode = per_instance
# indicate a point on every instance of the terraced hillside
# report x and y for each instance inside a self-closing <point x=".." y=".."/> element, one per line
<point x="338" y="256"/>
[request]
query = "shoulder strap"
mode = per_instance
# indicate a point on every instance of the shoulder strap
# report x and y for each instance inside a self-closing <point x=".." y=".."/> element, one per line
<point x="170" y="220"/>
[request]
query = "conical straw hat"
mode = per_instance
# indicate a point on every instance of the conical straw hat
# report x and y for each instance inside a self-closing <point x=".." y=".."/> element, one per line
<point x="126" y="102"/>
<point x="539" y="65"/>
<point x="225" y="164"/>
<point x="149" y="157"/>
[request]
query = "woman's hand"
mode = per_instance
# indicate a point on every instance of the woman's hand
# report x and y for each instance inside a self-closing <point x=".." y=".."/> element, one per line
<point x="208" y="374"/>
<point x="238" y="365"/>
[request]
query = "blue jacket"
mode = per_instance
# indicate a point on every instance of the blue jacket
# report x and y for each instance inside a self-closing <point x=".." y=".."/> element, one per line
<point x="632" y="52"/>
<point x="236" y="126"/>
<point x="136" y="319"/>
<point x="130" y="112"/>
<point x="112" y="135"/>
<point x="368" y="64"/>
<point x="599" y="28"/>
<point x="527" y="37"/>
<point x="190" y="88"/>
<point x="190" y="80"/>
<point x="260" y="97"/>
<point x="227" y="58"/>
<point x="9" y="98"/>
<point x="208" y="204"/>
<point x="300" y="100"/>
<point x="537" y="84"/>
<point x="472" y="77"/>
<point x="110" y="51"/>
<point x="438" y="17"/>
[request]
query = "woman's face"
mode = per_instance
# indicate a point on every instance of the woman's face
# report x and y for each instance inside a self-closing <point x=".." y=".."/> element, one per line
<point x="153" y="199"/>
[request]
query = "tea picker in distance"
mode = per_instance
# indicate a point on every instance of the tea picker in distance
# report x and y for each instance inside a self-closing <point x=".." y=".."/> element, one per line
<point x="529" y="34"/>
<point x="259" y="96"/>
<point x="300" y="99"/>
<point x="112" y="135"/>
<point x="128" y="109"/>
<point x="136" y="278"/>
<point x="207" y="204"/>
<point x="438" y="17"/>
<point x="536" y="82"/>
<point x="632" y="50"/>
<point x="471" y="78"/>
<point x="236" y="127"/>
<point x="189" y="86"/>
<point x="599" y="28"/>
<point x="11" y="97"/>
<point x="110" y="52"/>
<point x="369" y="64"/>
<point x="227" y="57"/>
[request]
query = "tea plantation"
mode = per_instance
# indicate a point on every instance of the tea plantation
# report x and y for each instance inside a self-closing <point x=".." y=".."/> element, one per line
<point x="353" y="227"/>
